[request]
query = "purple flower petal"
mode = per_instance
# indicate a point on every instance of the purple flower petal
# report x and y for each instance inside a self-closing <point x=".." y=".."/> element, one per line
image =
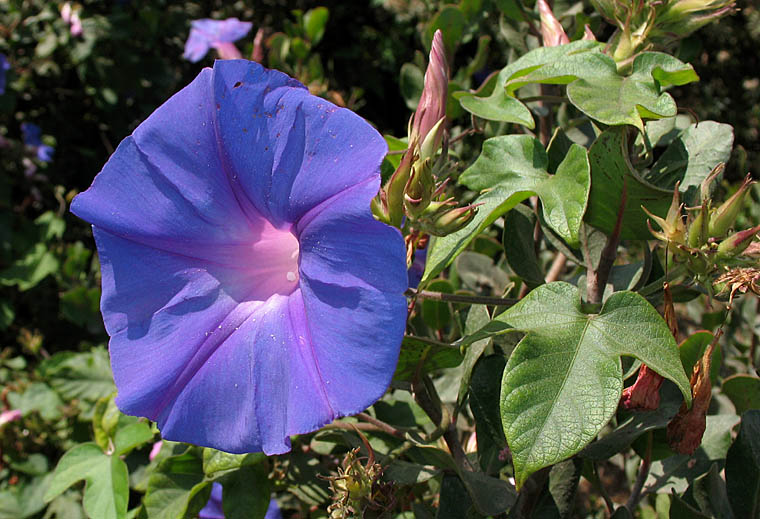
<point x="207" y="33"/>
<point x="228" y="30"/>
<point x="4" y="65"/>
<point x="32" y="134"/>
<point x="196" y="46"/>
<point x="414" y="275"/>
<point x="171" y="166"/>
<point x="308" y="150"/>
<point x="350" y="280"/>
<point x="214" y="510"/>
<point x="45" y="153"/>
<point x="273" y="511"/>
<point x="248" y="292"/>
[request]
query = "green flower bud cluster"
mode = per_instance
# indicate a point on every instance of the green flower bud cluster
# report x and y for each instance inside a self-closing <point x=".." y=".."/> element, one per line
<point x="357" y="489"/>
<point x="705" y="242"/>
<point x="413" y="199"/>
<point x="642" y="23"/>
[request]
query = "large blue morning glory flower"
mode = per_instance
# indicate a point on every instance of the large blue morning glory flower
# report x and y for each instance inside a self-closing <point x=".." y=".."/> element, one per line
<point x="248" y="292"/>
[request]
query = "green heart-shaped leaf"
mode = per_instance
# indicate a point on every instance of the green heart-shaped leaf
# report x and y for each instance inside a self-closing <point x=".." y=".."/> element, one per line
<point x="611" y="173"/>
<point x="106" y="476"/>
<point x="564" y="380"/>
<point x="596" y="88"/>
<point x="513" y="168"/>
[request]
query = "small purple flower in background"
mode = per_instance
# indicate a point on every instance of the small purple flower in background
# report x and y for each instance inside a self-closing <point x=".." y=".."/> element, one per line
<point x="214" y="510"/>
<point x="32" y="135"/>
<point x="4" y="66"/>
<point x="417" y="269"/>
<point x="248" y="292"/>
<point x="219" y="34"/>
<point x="71" y="17"/>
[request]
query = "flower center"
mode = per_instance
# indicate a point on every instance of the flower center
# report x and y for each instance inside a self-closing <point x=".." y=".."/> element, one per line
<point x="274" y="262"/>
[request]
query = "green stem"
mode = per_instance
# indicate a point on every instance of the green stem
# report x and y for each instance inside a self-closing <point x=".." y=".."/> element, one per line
<point x="548" y="98"/>
<point x="427" y="398"/>
<point x="530" y="494"/>
<point x="461" y="298"/>
<point x="433" y="342"/>
<point x="646" y="463"/>
<point x="385" y="427"/>
<point x="597" y="482"/>
<point x="654" y="287"/>
<point x="596" y="277"/>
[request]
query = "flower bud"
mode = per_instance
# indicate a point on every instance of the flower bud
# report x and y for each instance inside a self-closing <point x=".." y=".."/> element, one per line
<point x="685" y="431"/>
<point x="690" y="6"/>
<point x="588" y="34"/>
<point x="674" y="230"/>
<point x="432" y="105"/>
<point x="629" y="42"/>
<point x="395" y="187"/>
<point x="689" y="24"/>
<point x="9" y="416"/>
<point x="447" y="219"/>
<point x="679" y="18"/>
<point x="644" y="394"/>
<point x="551" y="30"/>
<point x="736" y="243"/>
<point x="704" y="186"/>
<point x="432" y="140"/>
<point x="155" y="449"/>
<point x="419" y="189"/>
<point x="697" y="234"/>
<point x="71" y="17"/>
<point x="257" y="54"/>
<point x="379" y="207"/>
<point x="358" y="489"/>
<point x="723" y="218"/>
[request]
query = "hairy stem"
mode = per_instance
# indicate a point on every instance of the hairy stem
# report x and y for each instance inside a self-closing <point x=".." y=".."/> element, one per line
<point x="546" y="122"/>
<point x="545" y="98"/>
<point x="427" y="398"/>
<point x="464" y="134"/>
<point x="350" y="426"/>
<point x="432" y="342"/>
<point x="646" y="463"/>
<point x="530" y="492"/>
<point x="558" y="266"/>
<point x="597" y="482"/>
<point x="753" y="344"/>
<point x="385" y="427"/>
<point x="596" y="277"/>
<point x="461" y="298"/>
